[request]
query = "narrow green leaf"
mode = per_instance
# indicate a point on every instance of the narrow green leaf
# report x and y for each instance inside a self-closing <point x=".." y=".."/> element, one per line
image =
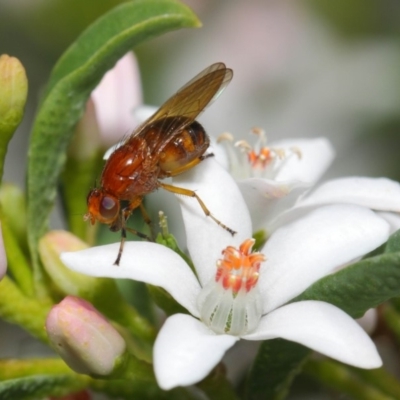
<point x="74" y="77"/>
<point x="40" y="386"/>
<point x="277" y="363"/>
<point x="360" y="286"/>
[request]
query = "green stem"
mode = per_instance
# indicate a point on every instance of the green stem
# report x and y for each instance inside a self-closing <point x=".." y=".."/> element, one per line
<point x="392" y="319"/>
<point x="216" y="386"/>
<point x="11" y="369"/>
<point x="339" y="377"/>
<point x="21" y="310"/>
<point x="124" y="314"/>
<point x="380" y="379"/>
<point x="17" y="262"/>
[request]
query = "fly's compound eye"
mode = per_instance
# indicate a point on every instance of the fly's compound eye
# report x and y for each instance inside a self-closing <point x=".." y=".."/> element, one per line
<point x="109" y="208"/>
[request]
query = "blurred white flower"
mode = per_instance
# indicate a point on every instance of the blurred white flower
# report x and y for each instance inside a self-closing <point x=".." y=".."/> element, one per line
<point x="277" y="181"/>
<point x="297" y="255"/>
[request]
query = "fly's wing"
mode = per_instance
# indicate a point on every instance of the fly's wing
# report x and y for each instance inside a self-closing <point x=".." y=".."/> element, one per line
<point x="188" y="102"/>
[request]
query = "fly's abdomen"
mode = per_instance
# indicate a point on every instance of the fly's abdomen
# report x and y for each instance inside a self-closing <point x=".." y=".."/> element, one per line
<point x="185" y="150"/>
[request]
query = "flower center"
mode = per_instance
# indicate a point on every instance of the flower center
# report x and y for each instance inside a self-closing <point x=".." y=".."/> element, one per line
<point x="259" y="160"/>
<point x="231" y="302"/>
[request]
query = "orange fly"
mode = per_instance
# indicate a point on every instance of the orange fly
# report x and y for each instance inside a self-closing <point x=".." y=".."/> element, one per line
<point x="167" y="144"/>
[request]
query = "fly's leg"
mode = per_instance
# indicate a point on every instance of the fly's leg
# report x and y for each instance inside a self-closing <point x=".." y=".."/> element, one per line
<point x="125" y="214"/>
<point x="191" y="193"/>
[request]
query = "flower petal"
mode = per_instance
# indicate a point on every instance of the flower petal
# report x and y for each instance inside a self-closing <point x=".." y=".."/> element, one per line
<point x="300" y="253"/>
<point x="266" y="198"/>
<point x="116" y="96"/>
<point x="316" y="156"/>
<point x="143" y="112"/>
<point x="323" y="328"/>
<point x="376" y="193"/>
<point x="141" y="261"/>
<point x="393" y="219"/>
<point x="369" y="320"/>
<point x="185" y="351"/>
<point x="219" y="192"/>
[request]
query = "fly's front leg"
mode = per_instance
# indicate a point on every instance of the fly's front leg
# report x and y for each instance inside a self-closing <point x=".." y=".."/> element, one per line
<point x="125" y="214"/>
<point x="191" y="193"/>
<point x="146" y="218"/>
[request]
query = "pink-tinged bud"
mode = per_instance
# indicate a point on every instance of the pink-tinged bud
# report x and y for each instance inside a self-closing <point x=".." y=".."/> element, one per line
<point x="115" y="99"/>
<point x="3" y="256"/>
<point x="83" y="337"/>
<point x="86" y="142"/>
<point x="51" y="245"/>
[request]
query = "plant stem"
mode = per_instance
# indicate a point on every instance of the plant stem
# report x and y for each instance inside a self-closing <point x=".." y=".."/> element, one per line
<point x="341" y="378"/>
<point x="216" y="386"/>
<point x="392" y="319"/>
<point x="23" y="311"/>
<point x="380" y="379"/>
<point x="17" y="263"/>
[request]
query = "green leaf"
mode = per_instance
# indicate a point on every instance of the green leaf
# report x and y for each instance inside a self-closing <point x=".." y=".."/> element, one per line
<point x="360" y="286"/>
<point x="393" y="244"/>
<point x="76" y="74"/>
<point x="39" y="386"/>
<point x="277" y="363"/>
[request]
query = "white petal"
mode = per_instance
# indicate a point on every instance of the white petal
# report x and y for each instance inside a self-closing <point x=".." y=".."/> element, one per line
<point x="369" y="320"/>
<point x="316" y="156"/>
<point x="393" y="219"/>
<point x="266" y="199"/>
<point x="144" y="112"/>
<point x="141" y="261"/>
<point x="186" y="351"/>
<point x="300" y="253"/>
<point x="219" y="192"/>
<point x="323" y="328"/>
<point x="376" y="193"/>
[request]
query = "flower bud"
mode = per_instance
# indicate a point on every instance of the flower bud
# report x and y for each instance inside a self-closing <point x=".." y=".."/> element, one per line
<point x="86" y="142"/>
<point x="83" y="337"/>
<point x="115" y="99"/>
<point x="66" y="281"/>
<point x="13" y="94"/>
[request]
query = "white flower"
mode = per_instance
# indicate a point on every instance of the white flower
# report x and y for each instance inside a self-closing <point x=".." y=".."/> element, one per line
<point x="277" y="181"/>
<point x="297" y="255"/>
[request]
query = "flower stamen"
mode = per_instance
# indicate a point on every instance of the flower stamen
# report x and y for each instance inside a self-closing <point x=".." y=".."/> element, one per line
<point x="259" y="160"/>
<point x="231" y="303"/>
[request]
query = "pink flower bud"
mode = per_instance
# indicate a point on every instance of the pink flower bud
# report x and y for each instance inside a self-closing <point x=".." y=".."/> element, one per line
<point x="83" y="338"/>
<point x="115" y="99"/>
